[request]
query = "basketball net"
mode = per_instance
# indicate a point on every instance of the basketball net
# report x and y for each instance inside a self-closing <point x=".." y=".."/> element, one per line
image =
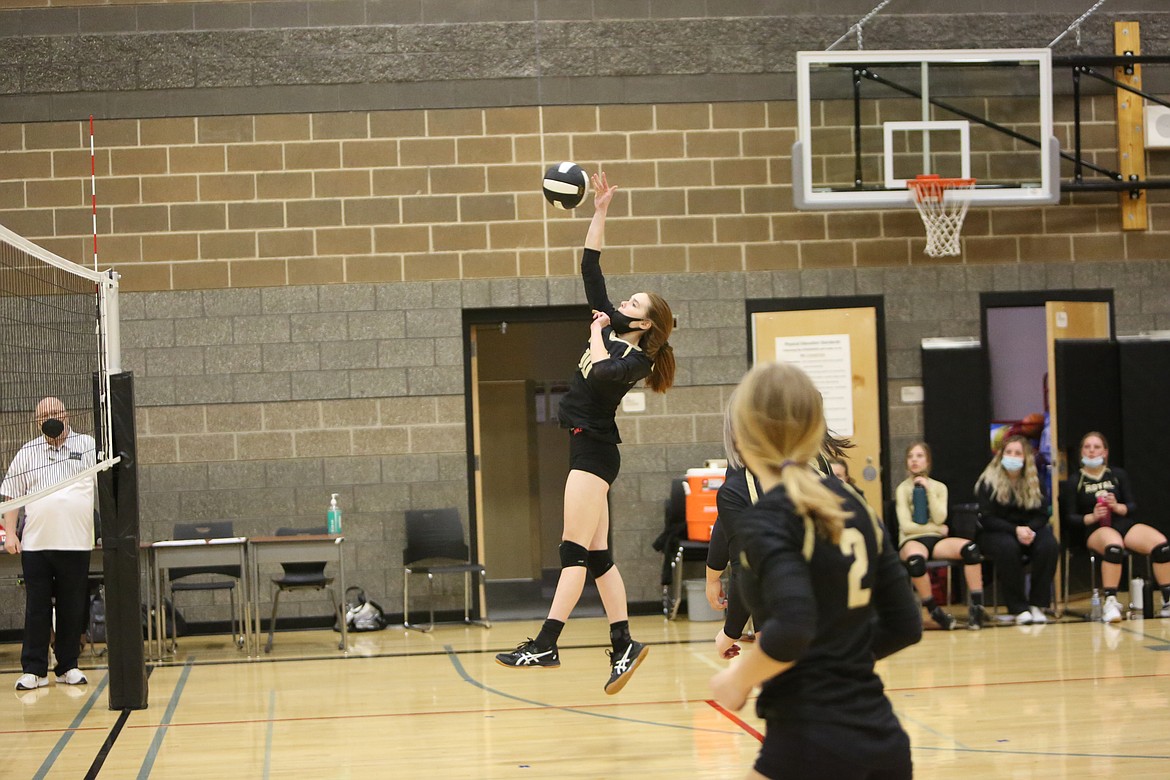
<point x="942" y="215"/>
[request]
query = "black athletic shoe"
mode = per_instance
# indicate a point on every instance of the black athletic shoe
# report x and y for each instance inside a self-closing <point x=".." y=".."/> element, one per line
<point x="975" y="617"/>
<point x="528" y="653"/>
<point x="623" y="665"/>
<point x="945" y="620"/>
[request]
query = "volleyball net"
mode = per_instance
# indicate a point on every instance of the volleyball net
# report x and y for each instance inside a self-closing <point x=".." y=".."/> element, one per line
<point x="58" y="340"/>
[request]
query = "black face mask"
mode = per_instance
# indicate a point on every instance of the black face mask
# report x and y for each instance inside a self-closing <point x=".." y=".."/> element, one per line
<point x="622" y="324"/>
<point x="52" y="427"/>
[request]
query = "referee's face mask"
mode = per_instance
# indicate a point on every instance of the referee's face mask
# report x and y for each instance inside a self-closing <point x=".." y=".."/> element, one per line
<point x="52" y="427"/>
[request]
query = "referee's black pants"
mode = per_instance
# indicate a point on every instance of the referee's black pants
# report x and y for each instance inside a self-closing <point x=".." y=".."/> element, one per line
<point x="60" y="577"/>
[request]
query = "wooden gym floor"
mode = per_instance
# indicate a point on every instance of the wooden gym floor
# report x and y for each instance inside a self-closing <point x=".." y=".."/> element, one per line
<point x="1065" y="700"/>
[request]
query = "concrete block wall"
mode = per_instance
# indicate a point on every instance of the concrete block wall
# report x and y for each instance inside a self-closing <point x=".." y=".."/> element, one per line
<point x="296" y="257"/>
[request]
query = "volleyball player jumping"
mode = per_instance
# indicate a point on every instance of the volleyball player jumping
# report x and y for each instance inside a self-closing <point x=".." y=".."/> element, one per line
<point x="626" y="345"/>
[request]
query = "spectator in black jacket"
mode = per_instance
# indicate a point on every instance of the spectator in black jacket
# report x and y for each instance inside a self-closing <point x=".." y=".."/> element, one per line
<point x="1015" y="524"/>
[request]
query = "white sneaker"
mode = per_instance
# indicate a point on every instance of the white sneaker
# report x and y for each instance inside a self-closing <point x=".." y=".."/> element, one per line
<point x="72" y="677"/>
<point x="1024" y="618"/>
<point x="1111" y="611"/>
<point x="1165" y="610"/>
<point x="27" y="682"/>
<point x="1038" y="615"/>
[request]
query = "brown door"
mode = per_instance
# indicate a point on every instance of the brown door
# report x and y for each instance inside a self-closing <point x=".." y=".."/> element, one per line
<point x="839" y="350"/>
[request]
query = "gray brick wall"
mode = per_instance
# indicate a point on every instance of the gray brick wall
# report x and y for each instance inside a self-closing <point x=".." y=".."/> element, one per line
<point x="328" y="55"/>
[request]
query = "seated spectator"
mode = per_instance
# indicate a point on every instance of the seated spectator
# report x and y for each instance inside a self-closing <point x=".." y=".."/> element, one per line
<point x="1015" y="524"/>
<point x="924" y="535"/>
<point x="1101" y="500"/>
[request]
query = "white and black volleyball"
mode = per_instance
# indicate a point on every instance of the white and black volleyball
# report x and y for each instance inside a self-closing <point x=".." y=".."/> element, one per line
<point x="565" y="185"/>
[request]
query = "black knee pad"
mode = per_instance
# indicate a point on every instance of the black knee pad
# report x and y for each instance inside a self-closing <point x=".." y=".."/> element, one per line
<point x="1161" y="553"/>
<point x="916" y="565"/>
<point x="970" y="553"/>
<point x="572" y="554"/>
<point x="600" y="561"/>
<point x="1113" y="554"/>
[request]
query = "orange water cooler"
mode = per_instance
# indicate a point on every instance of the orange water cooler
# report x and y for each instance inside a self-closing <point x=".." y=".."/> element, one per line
<point x="702" y="486"/>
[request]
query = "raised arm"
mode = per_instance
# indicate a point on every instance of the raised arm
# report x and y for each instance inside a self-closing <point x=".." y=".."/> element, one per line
<point x="602" y="196"/>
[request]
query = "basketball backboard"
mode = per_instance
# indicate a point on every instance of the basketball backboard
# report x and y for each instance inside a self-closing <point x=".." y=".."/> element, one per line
<point x="870" y="120"/>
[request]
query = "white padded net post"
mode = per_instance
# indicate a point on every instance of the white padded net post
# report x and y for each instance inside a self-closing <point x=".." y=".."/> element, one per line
<point x="941" y="204"/>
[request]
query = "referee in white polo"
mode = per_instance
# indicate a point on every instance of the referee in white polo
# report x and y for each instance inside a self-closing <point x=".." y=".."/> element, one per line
<point x="55" y="544"/>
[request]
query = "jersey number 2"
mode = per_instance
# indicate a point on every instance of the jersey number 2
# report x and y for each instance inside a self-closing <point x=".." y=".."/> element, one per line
<point x="853" y="543"/>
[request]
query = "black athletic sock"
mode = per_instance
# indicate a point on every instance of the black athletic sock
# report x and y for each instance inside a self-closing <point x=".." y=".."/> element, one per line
<point x="977" y="598"/>
<point x="1166" y="594"/>
<point x="1107" y="592"/>
<point x="930" y="603"/>
<point x="550" y="632"/>
<point x="619" y="634"/>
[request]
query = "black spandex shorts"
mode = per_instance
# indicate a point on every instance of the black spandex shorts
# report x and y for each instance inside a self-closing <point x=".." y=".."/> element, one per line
<point x="1120" y="524"/>
<point x="926" y="541"/>
<point x="600" y="458"/>
<point x="788" y="751"/>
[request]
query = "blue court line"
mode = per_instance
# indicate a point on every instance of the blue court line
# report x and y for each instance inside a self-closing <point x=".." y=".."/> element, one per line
<point x="64" y="738"/>
<point x="469" y="679"/>
<point x="926" y="728"/>
<point x="1144" y="635"/>
<point x="268" y="736"/>
<point x="156" y="743"/>
<point x="1053" y="753"/>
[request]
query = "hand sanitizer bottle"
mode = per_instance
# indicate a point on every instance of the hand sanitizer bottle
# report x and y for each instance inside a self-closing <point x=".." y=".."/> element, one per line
<point x="333" y="516"/>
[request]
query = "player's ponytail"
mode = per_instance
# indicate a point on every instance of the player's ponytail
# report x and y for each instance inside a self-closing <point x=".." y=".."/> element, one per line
<point x="779" y="421"/>
<point x="657" y="347"/>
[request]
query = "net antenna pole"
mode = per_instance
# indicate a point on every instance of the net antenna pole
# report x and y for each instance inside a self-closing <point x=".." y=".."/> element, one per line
<point x="857" y="27"/>
<point x="93" y="191"/>
<point x="1076" y="26"/>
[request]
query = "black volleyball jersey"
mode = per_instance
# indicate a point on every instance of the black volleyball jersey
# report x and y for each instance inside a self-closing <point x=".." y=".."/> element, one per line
<point x="832" y="608"/>
<point x="1083" y="489"/>
<point x="596" y="390"/>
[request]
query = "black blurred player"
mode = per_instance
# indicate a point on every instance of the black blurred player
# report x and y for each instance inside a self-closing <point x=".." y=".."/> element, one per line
<point x="830" y="593"/>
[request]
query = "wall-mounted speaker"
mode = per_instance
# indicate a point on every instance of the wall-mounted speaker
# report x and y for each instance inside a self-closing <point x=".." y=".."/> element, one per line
<point x="1157" y="127"/>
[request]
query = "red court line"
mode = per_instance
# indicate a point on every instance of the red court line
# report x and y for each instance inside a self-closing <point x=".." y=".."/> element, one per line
<point x="731" y="716"/>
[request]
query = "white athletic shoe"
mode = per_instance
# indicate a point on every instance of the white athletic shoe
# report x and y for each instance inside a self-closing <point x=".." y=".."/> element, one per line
<point x="1111" y="611"/>
<point x="27" y="682"/>
<point x="1165" y="610"/>
<point x="72" y="677"/>
<point x="1024" y="618"/>
<point x="1038" y="615"/>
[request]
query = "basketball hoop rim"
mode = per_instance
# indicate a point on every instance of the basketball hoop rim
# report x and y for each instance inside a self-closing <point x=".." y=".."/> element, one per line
<point x="931" y="187"/>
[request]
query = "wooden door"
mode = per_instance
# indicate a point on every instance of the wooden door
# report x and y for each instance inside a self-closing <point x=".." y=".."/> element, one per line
<point x="838" y="347"/>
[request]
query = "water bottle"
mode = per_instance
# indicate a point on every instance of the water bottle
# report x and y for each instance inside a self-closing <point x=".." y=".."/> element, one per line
<point x="921" y="514"/>
<point x="1107" y="520"/>
<point x="333" y="516"/>
<point x="1137" y="587"/>
<point x="1095" y="606"/>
